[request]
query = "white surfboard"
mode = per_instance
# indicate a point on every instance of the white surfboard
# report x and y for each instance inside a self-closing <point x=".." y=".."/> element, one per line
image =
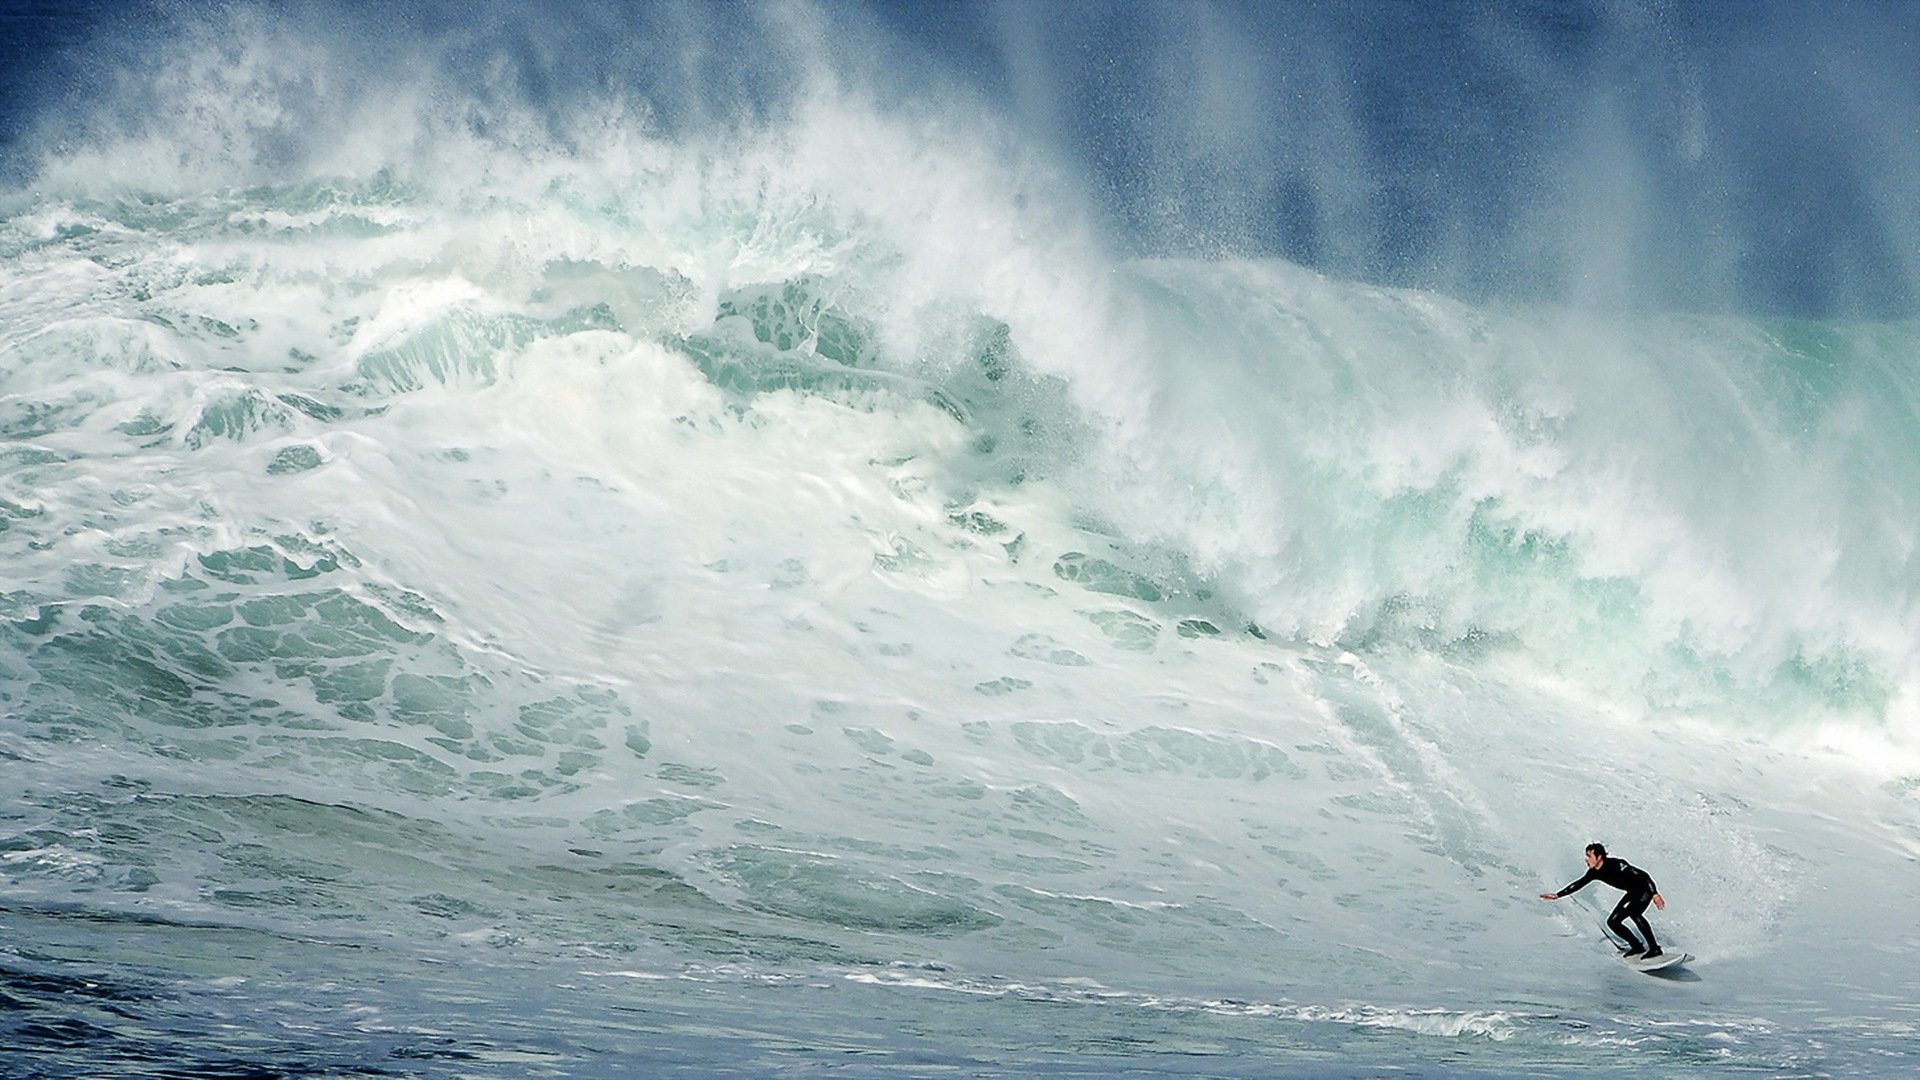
<point x="1668" y="958"/>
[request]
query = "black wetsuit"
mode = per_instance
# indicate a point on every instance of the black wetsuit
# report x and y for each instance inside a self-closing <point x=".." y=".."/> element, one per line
<point x="1639" y="888"/>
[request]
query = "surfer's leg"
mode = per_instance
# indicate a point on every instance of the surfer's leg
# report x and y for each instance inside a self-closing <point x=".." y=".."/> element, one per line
<point x="1635" y="907"/>
<point x="1617" y="922"/>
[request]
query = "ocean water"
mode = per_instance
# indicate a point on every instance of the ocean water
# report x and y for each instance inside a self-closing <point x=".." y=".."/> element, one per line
<point x="787" y="579"/>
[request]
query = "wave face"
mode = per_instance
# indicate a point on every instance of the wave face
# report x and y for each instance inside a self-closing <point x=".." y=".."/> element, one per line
<point x="681" y="586"/>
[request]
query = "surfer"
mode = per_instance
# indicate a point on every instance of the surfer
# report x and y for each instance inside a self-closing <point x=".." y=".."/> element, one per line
<point x="1639" y="889"/>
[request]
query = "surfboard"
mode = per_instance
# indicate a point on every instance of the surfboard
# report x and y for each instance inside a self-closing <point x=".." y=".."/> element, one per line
<point x="1667" y="958"/>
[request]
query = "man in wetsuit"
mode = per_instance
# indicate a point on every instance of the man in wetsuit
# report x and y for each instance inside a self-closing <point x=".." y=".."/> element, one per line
<point x="1631" y="880"/>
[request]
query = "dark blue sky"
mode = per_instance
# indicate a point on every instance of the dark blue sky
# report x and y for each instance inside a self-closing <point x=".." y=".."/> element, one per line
<point x="1748" y="155"/>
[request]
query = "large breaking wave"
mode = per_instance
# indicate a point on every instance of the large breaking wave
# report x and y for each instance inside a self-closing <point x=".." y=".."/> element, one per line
<point x="805" y="542"/>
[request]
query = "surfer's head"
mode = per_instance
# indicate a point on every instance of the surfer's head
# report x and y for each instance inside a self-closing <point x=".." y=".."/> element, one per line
<point x="1596" y="853"/>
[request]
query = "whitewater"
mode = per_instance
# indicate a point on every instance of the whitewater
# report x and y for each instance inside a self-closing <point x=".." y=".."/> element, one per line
<point x="787" y="594"/>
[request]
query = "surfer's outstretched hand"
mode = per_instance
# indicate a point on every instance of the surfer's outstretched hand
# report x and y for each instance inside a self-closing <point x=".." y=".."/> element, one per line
<point x="1556" y="896"/>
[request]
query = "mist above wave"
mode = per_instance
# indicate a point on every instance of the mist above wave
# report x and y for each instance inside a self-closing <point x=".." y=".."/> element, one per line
<point x="1717" y="157"/>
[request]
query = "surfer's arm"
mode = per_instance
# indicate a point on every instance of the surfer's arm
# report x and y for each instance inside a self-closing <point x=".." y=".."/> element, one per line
<point x="1658" y="900"/>
<point x="1573" y="888"/>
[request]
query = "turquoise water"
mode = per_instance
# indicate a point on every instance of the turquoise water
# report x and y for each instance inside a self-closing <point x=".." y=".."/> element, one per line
<point x="797" y="600"/>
